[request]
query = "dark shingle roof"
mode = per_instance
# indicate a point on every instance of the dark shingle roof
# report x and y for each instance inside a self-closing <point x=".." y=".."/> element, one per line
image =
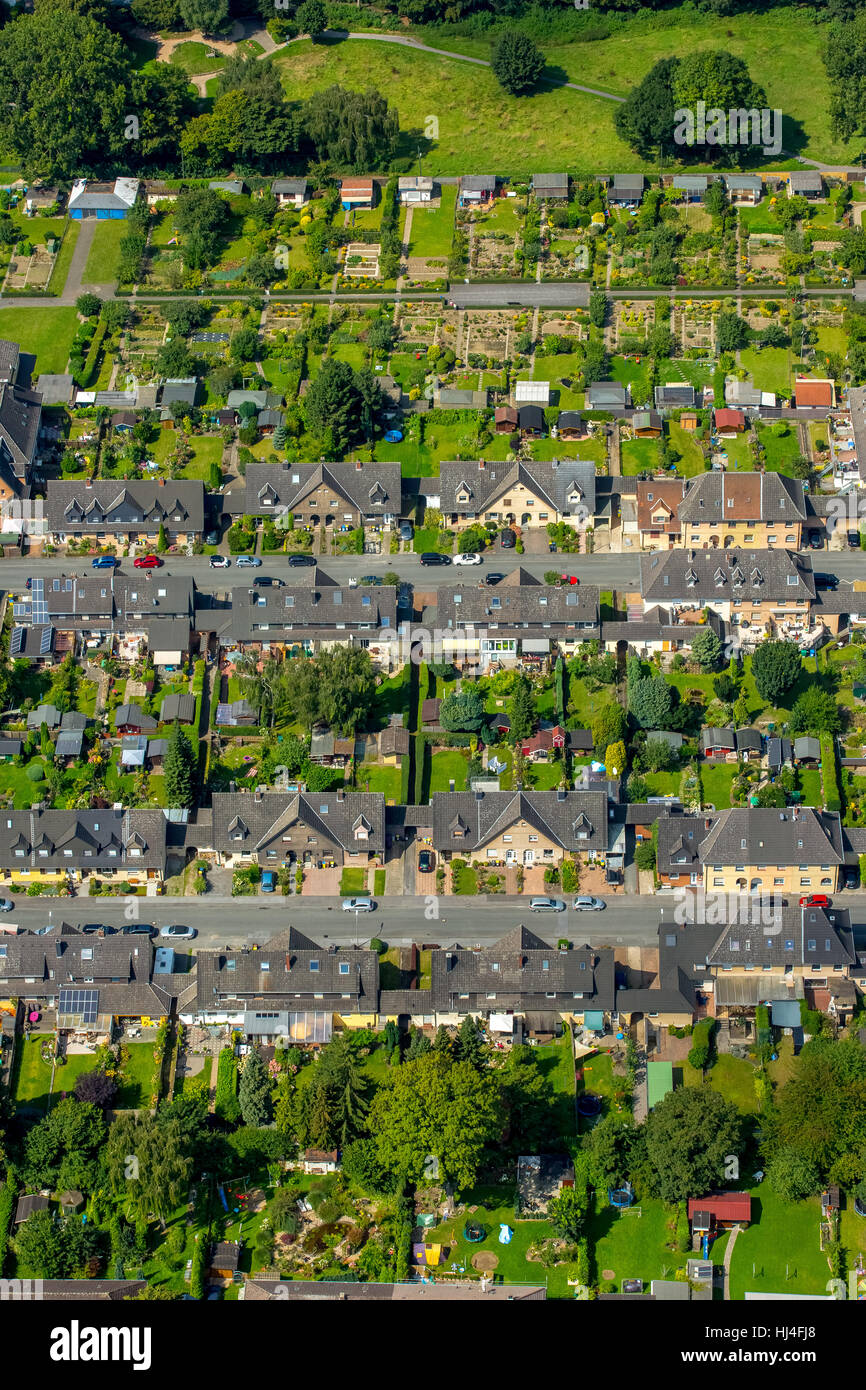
<point x="466" y="821"/>
<point x="697" y="575"/>
<point x="123" y="506"/>
<point x="251" y="823"/>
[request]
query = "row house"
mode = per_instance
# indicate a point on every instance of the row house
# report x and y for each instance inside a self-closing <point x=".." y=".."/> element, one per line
<point x="39" y="846"/>
<point x="754" y="511"/>
<point x="519" y="494"/>
<point x="87" y="983"/>
<point x="121" y="513"/>
<point x="108" y="608"/>
<point x="521" y="621"/>
<point x="655" y="632"/>
<point x="20" y="423"/>
<point x="759" y="850"/>
<point x="521" y="986"/>
<point x="306" y="615"/>
<point x="292" y="989"/>
<point x="312" y="829"/>
<point x="523" y="827"/>
<point x="342" y="495"/>
<point x="759" y="593"/>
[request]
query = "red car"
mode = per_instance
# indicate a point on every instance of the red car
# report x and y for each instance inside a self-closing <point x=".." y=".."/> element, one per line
<point x="815" y="900"/>
<point x="147" y="562"/>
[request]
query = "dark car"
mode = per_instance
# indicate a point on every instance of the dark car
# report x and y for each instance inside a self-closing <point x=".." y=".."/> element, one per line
<point x="425" y="862"/>
<point x="507" y="539"/>
<point x="404" y="595"/>
<point x="267" y="581"/>
<point x="295" y="561"/>
<point x="493" y="578"/>
<point x="826" y="581"/>
<point x="139" y="929"/>
<point x="853" y="540"/>
<point x="406" y="532"/>
<point x="852" y="878"/>
<point x="91" y="929"/>
<point x="104" y="562"/>
<point x="816" y="540"/>
<point x="432" y="557"/>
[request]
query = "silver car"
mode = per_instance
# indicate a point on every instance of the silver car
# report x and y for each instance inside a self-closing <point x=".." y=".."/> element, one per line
<point x="589" y="904"/>
<point x="546" y="905"/>
<point x="358" y="905"/>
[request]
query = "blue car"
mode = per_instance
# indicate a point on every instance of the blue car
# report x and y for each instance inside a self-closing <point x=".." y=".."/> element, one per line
<point x="104" y="562"/>
<point x="269" y="881"/>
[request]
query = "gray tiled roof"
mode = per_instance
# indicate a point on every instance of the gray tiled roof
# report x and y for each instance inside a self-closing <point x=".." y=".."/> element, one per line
<point x="521" y="970"/>
<point x="721" y="497"/>
<point x="96" y="840"/>
<point x="315" y="603"/>
<point x="795" y="836"/>
<point x="20" y="417"/>
<point x="180" y="707"/>
<point x="374" y="489"/>
<point x="251" y="823"/>
<point x="290" y="186"/>
<point x="123" y="506"/>
<point x="466" y="821"/>
<point x="281" y="973"/>
<point x="520" y="601"/>
<point x="133" y="714"/>
<point x="606" y="395"/>
<point x="564" y="485"/>
<point x="696" y="575"/>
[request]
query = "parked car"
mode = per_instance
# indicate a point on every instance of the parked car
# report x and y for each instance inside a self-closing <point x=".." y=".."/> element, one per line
<point x="179" y="933"/>
<point x="495" y="578"/>
<point x="104" y="562"/>
<point x="589" y="904"/>
<point x="546" y="905"/>
<point x="358" y="905"/>
<point x="269" y="881"/>
<point x="852" y="878"/>
<point x="507" y="539"/>
<point x="432" y="557"/>
<point x="6" y="904"/>
<point x="816" y="540"/>
<point x="816" y="900"/>
<point x="826" y="581"/>
<point x="404" y="596"/>
<point x="248" y="562"/>
<point x="147" y="562"/>
<point x="295" y="561"/>
<point x="140" y="929"/>
<point x="370" y="579"/>
<point x="212" y="538"/>
<point x="468" y="557"/>
<point x="268" y="581"/>
<point x="220" y="562"/>
<point x="425" y="861"/>
<point x="92" y="928"/>
<point x="853" y="540"/>
<point x="406" y="532"/>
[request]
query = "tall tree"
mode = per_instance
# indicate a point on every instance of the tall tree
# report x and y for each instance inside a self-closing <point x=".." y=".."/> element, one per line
<point x="353" y="130"/>
<point x="516" y="62"/>
<point x="209" y="16"/>
<point x="254" y="1091"/>
<point x="180" y="769"/>
<point x="645" y="120"/>
<point x="521" y="709"/>
<point x="775" y="667"/>
<point x="689" y="1136"/>
<point x="147" y="1161"/>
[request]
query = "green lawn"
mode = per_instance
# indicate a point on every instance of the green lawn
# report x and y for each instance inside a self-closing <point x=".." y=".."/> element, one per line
<point x="738" y="454"/>
<point x="370" y="777"/>
<point x="662" y="783"/>
<point x="779" y="1252"/>
<point x="639" y="456"/>
<point x="446" y="766"/>
<point x="716" y="779"/>
<point x="57" y="283"/>
<point x="103" y="261"/>
<point x="633" y="1244"/>
<point x="192" y="57"/>
<point x="780" y="450"/>
<point x="46" y="332"/>
<point x="353" y="882"/>
<point x="433" y="228"/>
<point x="769" y="368"/>
<point x="493" y="1207"/>
<point x="137" y="1077"/>
<point x="692" y="458"/>
<point x="732" y="1077"/>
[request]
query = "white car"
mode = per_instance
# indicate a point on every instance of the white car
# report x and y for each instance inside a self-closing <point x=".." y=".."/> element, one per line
<point x="589" y="904"/>
<point x="179" y="933"/>
<point x="220" y="562"/>
<point x="470" y="557"/>
<point x="358" y="905"/>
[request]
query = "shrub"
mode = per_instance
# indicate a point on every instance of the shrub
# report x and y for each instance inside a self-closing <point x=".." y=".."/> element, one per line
<point x="35" y="773"/>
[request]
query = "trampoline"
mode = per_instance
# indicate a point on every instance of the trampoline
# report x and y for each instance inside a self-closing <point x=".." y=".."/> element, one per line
<point x="473" y="1231"/>
<point x="393" y="436"/>
<point x="621" y="1196"/>
<point x="588" y="1105"/>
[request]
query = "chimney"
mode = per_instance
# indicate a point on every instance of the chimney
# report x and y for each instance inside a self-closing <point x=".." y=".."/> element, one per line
<point x="707" y="824"/>
<point x="561" y="795"/>
<point x="341" y="796"/>
<point x="259" y="793"/>
<point x="88" y="482"/>
<point x="358" y="466"/>
<point x="481" y="465"/>
<point x="162" y="482"/>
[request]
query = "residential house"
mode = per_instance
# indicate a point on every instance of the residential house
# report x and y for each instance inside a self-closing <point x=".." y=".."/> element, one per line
<point x="131" y="719"/>
<point x="20" y="423"/>
<point x="552" y="188"/>
<point x="357" y="193"/>
<point x="505" y="419"/>
<point x="658" y="505"/>
<point x="658" y="630"/>
<point x="806" y="183"/>
<point x="744" y="190"/>
<point x="117" y="513"/>
<point x="475" y="189"/>
<point x="306" y="614"/>
<point x="180" y="707"/>
<point x="760" y="593"/>
<point x="292" y="989"/>
<point x="415" y="188"/>
<point x="104" y="201"/>
<point x="276" y="829"/>
<point x="750" y="745"/>
<point x="754" y="849"/>
<point x="521" y="827"/>
<point x="752" y="510"/>
<point x="342" y="495"/>
<point x="43" y="845"/>
<point x="729" y="421"/>
<point x="290" y="192"/>
<point x="520" y="620"/>
<point x="607" y="395"/>
<point x="521" y="985"/>
<point x="521" y="494"/>
<point x="676" y="395"/>
<point x="719" y="1212"/>
<point x="817" y="393"/>
<point x="627" y="190"/>
<point x="101" y="607"/>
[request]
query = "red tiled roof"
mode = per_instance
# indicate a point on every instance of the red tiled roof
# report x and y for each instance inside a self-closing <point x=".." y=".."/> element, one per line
<point x="730" y="419"/>
<point x="725" y="1206"/>
<point x="808" y="392"/>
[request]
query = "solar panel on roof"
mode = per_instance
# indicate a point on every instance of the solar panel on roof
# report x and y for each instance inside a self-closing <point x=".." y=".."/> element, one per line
<point x="45" y="641"/>
<point x="17" y="641"/>
<point x="80" y="1001"/>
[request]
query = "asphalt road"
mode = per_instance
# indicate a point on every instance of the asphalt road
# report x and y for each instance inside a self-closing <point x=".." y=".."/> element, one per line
<point x="626" y="921"/>
<point x="605" y="570"/>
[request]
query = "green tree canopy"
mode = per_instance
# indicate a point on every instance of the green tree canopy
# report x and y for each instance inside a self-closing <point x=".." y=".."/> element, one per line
<point x="689" y="1136"/>
<point x="254" y="1091"/>
<point x="707" y="649"/>
<point x="815" y="712"/>
<point x="462" y="711"/>
<point x="776" y="666"/>
<point x="353" y="130"/>
<point x="180" y="769"/>
<point x="516" y="62"/>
